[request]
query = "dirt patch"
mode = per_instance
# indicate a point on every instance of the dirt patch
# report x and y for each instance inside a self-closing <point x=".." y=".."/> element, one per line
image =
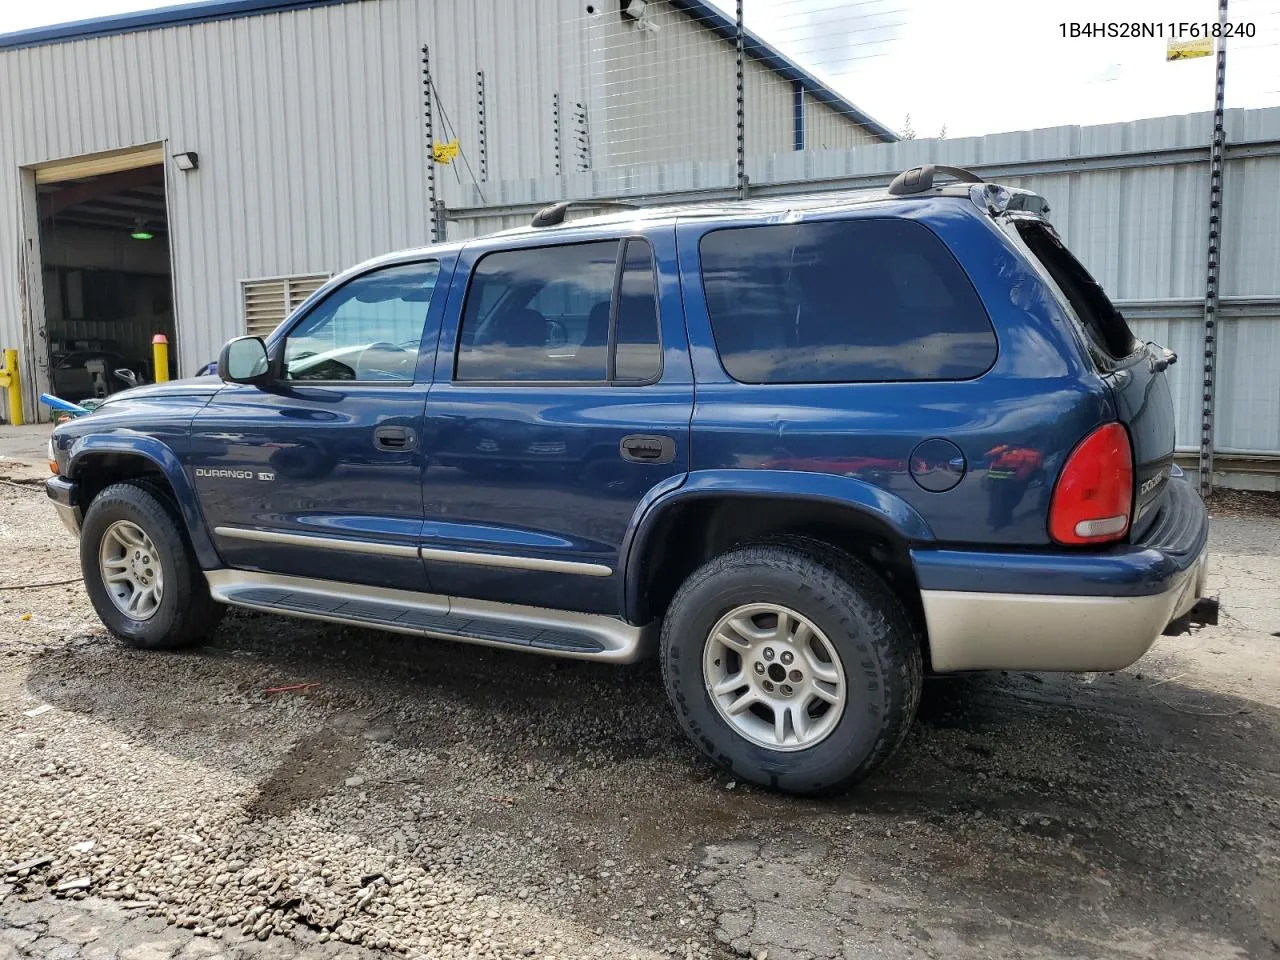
<point x="314" y="767"/>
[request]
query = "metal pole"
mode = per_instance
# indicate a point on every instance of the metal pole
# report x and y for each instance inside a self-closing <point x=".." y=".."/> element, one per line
<point x="11" y="379"/>
<point x="555" y="128"/>
<point x="1211" y="282"/>
<point x="742" y="113"/>
<point x="160" y="357"/>
<point x="584" y="137"/>
<point x="431" y="142"/>
<point x="483" y="124"/>
<point x="442" y="222"/>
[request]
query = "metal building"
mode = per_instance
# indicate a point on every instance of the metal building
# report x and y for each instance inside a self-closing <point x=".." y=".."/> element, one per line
<point x="198" y="170"/>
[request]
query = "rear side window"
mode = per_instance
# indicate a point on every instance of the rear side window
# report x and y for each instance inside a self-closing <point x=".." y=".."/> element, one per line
<point x="637" y="353"/>
<point x="1105" y="327"/>
<point x="539" y="314"/>
<point x="576" y="313"/>
<point x="842" y="301"/>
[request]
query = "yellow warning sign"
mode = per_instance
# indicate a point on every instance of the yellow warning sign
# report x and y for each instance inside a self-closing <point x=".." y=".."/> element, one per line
<point x="1188" y="49"/>
<point x="444" y="152"/>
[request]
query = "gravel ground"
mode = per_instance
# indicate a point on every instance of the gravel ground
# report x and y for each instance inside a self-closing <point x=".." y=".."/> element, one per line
<point x="449" y="801"/>
<point x="1243" y="503"/>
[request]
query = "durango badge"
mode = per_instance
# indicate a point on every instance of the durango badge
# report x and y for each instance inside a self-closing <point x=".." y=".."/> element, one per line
<point x="1153" y="482"/>
<point x="232" y="474"/>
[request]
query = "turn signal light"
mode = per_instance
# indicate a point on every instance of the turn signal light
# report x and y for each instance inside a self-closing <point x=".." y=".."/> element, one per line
<point x="1093" y="498"/>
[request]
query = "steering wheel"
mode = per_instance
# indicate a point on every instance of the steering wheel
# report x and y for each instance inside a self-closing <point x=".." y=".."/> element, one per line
<point x="557" y="333"/>
<point x="383" y="346"/>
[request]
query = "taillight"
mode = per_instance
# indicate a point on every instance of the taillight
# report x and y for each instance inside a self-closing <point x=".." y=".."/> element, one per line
<point x="1094" y="494"/>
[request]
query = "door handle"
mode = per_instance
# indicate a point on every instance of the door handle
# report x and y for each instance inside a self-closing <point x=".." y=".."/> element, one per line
<point x="646" y="449"/>
<point x="394" y="438"/>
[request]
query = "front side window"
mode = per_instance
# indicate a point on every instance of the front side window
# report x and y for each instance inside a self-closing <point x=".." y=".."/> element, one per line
<point x="842" y="301"/>
<point x="368" y="330"/>
<point x="578" y="313"/>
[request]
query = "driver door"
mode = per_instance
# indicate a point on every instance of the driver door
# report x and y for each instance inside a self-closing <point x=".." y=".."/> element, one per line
<point x="320" y="473"/>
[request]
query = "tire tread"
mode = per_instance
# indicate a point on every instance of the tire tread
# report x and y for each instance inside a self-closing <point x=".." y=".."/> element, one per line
<point x="195" y="614"/>
<point x="826" y="571"/>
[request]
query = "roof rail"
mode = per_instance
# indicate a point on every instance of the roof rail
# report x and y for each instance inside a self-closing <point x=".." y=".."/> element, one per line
<point x="920" y="179"/>
<point x="553" y="215"/>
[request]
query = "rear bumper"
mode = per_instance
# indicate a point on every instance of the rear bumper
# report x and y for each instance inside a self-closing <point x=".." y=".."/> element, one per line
<point x="1025" y="631"/>
<point x="64" y="496"/>
<point x="1064" y="610"/>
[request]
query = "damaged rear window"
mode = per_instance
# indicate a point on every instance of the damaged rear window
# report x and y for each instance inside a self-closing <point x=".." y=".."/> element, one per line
<point x="1103" y="325"/>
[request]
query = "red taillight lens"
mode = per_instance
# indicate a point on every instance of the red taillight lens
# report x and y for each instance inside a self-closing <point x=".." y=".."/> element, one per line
<point x="1094" y="494"/>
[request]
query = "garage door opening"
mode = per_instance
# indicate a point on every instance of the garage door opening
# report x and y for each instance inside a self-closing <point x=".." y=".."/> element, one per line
<point x="108" y="279"/>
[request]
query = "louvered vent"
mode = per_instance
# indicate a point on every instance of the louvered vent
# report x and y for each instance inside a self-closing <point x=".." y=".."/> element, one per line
<point x="268" y="302"/>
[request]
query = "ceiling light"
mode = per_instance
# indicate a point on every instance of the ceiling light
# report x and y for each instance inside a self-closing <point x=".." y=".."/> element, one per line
<point x="140" y="231"/>
<point x="186" y="161"/>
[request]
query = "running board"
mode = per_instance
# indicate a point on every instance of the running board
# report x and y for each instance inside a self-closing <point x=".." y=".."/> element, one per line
<point x="581" y="636"/>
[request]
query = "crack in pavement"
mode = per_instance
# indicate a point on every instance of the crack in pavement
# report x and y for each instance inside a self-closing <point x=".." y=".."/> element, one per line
<point x="797" y="897"/>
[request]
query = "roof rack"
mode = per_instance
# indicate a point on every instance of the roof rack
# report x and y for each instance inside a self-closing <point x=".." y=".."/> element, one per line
<point x="920" y="179"/>
<point x="553" y="215"/>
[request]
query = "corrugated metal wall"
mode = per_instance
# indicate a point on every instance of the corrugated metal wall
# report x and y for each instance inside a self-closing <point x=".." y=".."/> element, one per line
<point x="641" y="119"/>
<point x="1131" y="200"/>
<point x="769" y="100"/>
<point x="637" y="114"/>
<point x="824" y="129"/>
<point x="310" y="133"/>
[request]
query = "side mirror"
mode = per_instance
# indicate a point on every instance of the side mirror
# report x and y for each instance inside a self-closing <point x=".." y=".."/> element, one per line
<point x="127" y="375"/>
<point x="244" y="360"/>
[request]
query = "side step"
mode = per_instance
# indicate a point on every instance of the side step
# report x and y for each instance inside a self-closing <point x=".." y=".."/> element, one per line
<point x="582" y="636"/>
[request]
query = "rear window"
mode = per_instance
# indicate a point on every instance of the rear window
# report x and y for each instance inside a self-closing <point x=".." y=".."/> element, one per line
<point x="842" y="301"/>
<point x="1103" y="325"/>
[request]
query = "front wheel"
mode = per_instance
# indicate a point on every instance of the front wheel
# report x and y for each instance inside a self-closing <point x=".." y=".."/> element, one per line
<point x="792" y="665"/>
<point x="140" y="572"/>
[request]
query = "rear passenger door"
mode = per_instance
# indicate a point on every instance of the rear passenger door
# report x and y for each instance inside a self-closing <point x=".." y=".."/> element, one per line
<point x="562" y="396"/>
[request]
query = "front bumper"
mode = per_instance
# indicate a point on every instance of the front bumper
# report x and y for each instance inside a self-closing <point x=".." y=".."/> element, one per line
<point x="63" y="493"/>
<point x="1065" y="610"/>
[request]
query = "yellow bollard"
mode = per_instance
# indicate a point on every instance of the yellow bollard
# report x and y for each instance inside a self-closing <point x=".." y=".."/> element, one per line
<point x="9" y="378"/>
<point x="160" y="351"/>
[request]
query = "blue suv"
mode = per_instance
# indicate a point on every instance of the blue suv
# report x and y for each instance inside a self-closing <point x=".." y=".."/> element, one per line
<point x="804" y="449"/>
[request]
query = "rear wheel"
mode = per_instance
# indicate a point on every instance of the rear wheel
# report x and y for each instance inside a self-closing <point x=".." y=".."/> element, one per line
<point x="140" y="572"/>
<point x="792" y="665"/>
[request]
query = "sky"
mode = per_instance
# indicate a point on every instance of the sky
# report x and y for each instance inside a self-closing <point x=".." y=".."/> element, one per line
<point x="1005" y="65"/>
<point x="973" y="68"/>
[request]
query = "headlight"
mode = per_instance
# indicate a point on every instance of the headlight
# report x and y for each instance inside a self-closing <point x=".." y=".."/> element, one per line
<point x="53" y="458"/>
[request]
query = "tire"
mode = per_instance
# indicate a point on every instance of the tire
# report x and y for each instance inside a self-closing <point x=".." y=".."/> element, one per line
<point x="137" y="518"/>
<point x="839" y="602"/>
